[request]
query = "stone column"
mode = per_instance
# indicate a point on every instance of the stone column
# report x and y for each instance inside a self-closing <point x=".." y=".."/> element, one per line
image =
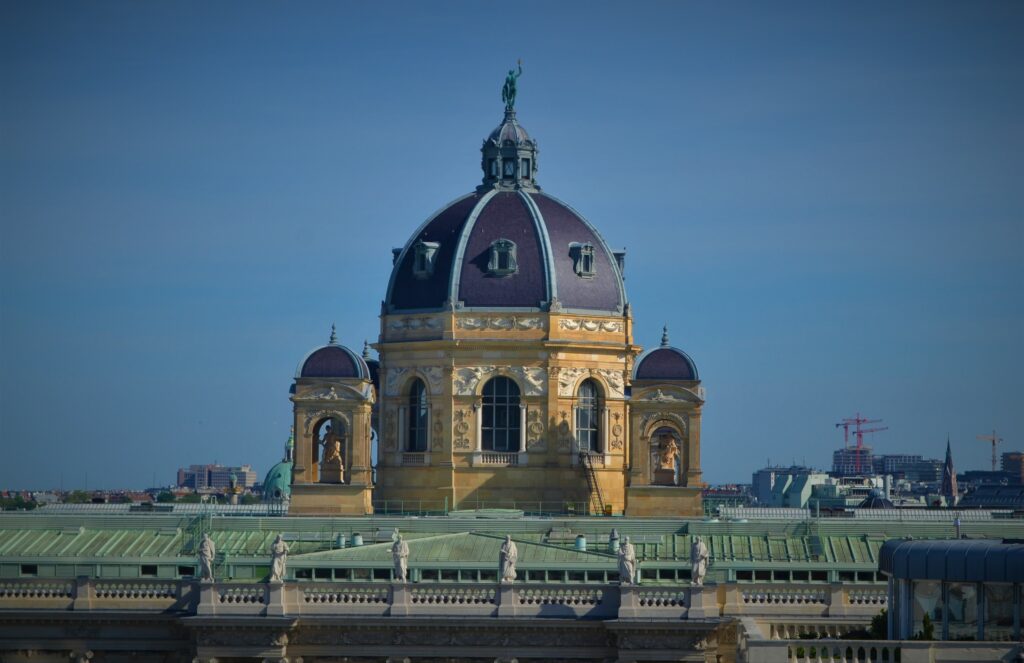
<point x="522" y="427"/>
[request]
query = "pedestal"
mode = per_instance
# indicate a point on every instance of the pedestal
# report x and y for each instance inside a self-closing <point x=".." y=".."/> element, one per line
<point x="628" y="604"/>
<point x="663" y="477"/>
<point x="275" y="605"/>
<point x="506" y="600"/>
<point x="399" y="599"/>
<point x="703" y="602"/>
<point x="332" y="473"/>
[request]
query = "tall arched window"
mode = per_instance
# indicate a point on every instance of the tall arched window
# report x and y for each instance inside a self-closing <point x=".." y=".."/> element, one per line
<point x="500" y="425"/>
<point x="417" y="417"/>
<point x="588" y="412"/>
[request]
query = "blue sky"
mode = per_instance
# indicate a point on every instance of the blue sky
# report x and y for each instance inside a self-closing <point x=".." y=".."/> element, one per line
<point x="824" y="202"/>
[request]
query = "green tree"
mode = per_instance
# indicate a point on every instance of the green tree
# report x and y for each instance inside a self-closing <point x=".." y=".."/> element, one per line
<point x="165" y="496"/>
<point x="249" y="498"/>
<point x="927" y="631"/>
<point x="879" y="629"/>
<point x="77" y="497"/>
<point x="191" y="498"/>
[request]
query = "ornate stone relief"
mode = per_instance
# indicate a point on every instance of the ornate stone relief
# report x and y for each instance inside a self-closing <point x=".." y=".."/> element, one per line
<point x="460" y="430"/>
<point x="396" y="377"/>
<point x="499" y="324"/>
<point x="648" y="419"/>
<point x="584" y="324"/>
<point x="466" y="379"/>
<point x="535" y="431"/>
<point x="569" y="377"/>
<point x="564" y="433"/>
<point x="670" y="396"/>
<point x="616" y="442"/>
<point x="415" y="324"/>
<point x="390" y="441"/>
<point x="316" y="415"/>
<point x="437" y="429"/>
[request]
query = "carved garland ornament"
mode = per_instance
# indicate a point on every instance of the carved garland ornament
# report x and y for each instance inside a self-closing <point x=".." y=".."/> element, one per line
<point x="584" y="324"/>
<point x="499" y="324"/>
<point x="535" y="431"/>
<point x="461" y="430"/>
<point x="655" y="417"/>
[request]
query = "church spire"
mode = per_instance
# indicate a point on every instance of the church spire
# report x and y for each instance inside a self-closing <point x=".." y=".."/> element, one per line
<point x="949" y="487"/>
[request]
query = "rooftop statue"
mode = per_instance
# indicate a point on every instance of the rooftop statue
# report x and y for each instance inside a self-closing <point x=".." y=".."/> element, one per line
<point x="627" y="563"/>
<point x="207" y="552"/>
<point x="400" y="556"/>
<point x="508" y="91"/>
<point x="508" y="557"/>
<point x="279" y="557"/>
<point x="699" y="561"/>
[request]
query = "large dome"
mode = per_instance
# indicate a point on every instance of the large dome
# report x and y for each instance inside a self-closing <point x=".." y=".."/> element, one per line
<point x="507" y="245"/>
<point x="448" y="261"/>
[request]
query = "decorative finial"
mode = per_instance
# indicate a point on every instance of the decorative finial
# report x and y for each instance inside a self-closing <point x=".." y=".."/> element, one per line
<point x="664" y="336"/>
<point x="334" y="336"/>
<point x="366" y="350"/>
<point x="508" y="91"/>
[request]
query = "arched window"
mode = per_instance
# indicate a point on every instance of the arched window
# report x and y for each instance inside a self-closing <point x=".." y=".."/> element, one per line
<point x="588" y="412"/>
<point x="417" y="417"/>
<point x="500" y="425"/>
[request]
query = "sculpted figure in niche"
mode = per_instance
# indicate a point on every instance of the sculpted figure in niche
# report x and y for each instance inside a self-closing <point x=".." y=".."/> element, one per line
<point x="668" y="451"/>
<point x="627" y="563"/>
<point x="507" y="558"/>
<point x="699" y="560"/>
<point x="400" y="557"/>
<point x="278" y="559"/>
<point x="207" y="552"/>
<point x="332" y="447"/>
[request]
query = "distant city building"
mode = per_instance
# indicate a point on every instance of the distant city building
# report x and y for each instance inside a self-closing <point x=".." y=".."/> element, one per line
<point x="215" y="477"/>
<point x="786" y="486"/>
<point x="852" y="461"/>
<point x="894" y="464"/>
<point x="1013" y="464"/>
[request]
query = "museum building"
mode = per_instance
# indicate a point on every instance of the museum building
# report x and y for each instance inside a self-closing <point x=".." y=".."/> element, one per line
<point x="508" y="376"/>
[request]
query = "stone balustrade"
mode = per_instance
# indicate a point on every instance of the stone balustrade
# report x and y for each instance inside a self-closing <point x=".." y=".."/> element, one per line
<point x="764" y="601"/>
<point x="856" y="651"/>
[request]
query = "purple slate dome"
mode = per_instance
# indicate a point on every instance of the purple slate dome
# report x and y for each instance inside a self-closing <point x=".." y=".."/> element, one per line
<point x="333" y="361"/>
<point x="507" y="246"/>
<point x="665" y="363"/>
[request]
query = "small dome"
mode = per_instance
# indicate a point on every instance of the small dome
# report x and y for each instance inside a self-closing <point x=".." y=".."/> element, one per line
<point x="665" y="363"/>
<point x="277" y="485"/>
<point x="876" y="500"/>
<point x="509" y="131"/>
<point x="333" y="361"/>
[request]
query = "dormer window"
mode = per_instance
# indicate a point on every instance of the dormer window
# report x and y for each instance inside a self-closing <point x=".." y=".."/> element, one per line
<point x="423" y="259"/>
<point x="503" y="258"/>
<point x="524" y="168"/>
<point x="582" y="259"/>
<point x="492" y="168"/>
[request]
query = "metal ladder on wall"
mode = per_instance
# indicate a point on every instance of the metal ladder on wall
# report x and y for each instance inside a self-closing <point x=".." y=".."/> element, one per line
<point x="595" y="489"/>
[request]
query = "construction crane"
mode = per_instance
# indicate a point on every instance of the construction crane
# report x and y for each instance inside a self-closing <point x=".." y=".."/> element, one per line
<point x="994" y="439"/>
<point x="857" y="421"/>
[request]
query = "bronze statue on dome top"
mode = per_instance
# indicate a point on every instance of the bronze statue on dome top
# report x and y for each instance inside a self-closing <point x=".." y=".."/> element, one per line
<point x="508" y="91"/>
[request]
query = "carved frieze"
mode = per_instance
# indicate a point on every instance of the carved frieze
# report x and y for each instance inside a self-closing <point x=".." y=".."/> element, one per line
<point x="679" y="395"/>
<point x="570" y="376"/>
<point x="503" y="323"/>
<point x="466" y="379"/>
<point x="616" y="442"/>
<point x="437" y="441"/>
<point x="564" y="433"/>
<point x="396" y="376"/>
<point x="588" y="325"/>
<point x="390" y="441"/>
<point x="415" y="324"/>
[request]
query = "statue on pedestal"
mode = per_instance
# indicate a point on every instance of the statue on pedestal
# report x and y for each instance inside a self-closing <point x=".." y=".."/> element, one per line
<point x="699" y="560"/>
<point x="667" y="451"/>
<point x="332" y="466"/>
<point x="278" y="559"/>
<point x="207" y="553"/>
<point x="627" y="563"/>
<point x="400" y="557"/>
<point x="507" y="558"/>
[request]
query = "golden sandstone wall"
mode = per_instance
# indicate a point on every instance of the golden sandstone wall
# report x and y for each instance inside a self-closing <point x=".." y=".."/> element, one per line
<point x="548" y="356"/>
